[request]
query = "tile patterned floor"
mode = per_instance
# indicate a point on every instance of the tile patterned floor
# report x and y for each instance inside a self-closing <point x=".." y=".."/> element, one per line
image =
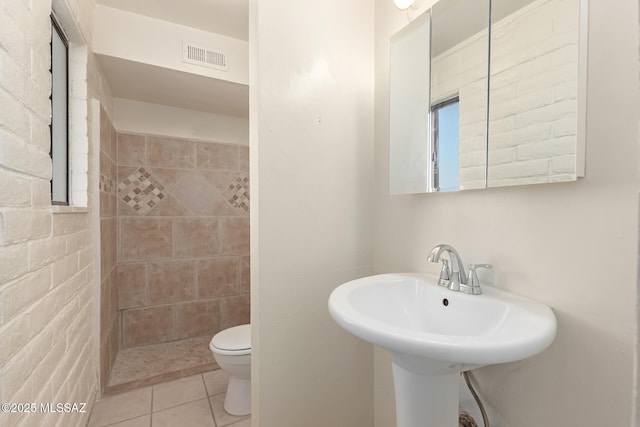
<point x="152" y="364"/>
<point x="195" y="401"/>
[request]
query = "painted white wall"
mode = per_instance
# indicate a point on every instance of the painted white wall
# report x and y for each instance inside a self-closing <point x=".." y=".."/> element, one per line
<point x="572" y="246"/>
<point x="153" y="41"/>
<point x="311" y="198"/>
<point x="155" y="119"/>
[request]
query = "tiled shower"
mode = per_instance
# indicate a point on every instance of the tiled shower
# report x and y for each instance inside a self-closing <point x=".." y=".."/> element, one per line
<point x="175" y="253"/>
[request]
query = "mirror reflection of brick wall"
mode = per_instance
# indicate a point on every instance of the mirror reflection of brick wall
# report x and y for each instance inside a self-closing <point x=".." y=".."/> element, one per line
<point x="183" y="238"/>
<point x="533" y="100"/>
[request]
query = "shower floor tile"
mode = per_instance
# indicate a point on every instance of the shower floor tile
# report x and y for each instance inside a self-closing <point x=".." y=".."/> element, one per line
<point x="153" y="364"/>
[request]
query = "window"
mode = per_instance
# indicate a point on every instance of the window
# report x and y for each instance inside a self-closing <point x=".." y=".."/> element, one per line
<point x="446" y="154"/>
<point x="59" y="115"/>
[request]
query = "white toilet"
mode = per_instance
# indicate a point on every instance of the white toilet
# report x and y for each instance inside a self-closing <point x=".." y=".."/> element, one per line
<point x="232" y="350"/>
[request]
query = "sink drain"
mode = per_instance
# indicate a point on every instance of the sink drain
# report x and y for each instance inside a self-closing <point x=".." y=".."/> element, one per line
<point x="466" y="420"/>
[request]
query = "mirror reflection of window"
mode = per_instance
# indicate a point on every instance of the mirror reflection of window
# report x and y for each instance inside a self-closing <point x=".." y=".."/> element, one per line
<point x="446" y="152"/>
<point x="460" y="68"/>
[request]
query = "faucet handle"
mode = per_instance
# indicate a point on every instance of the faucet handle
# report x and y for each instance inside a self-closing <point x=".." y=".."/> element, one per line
<point x="473" y="283"/>
<point x="445" y="273"/>
<point x="474" y="266"/>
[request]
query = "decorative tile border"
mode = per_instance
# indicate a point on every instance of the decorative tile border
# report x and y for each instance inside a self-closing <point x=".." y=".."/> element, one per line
<point x="106" y="184"/>
<point x="141" y="191"/>
<point x="237" y="193"/>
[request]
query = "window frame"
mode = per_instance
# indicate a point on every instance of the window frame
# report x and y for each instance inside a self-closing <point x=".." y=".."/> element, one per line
<point x="60" y="188"/>
<point x="435" y="139"/>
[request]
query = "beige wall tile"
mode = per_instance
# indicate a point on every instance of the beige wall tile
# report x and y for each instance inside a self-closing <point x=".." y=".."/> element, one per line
<point x="113" y="142"/>
<point x="131" y="149"/>
<point x="218" y="206"/>
<point x="220" y="179"/>
<point x="113" y="294"/>
<point x="243" y="159"/>
<point x="114" y="344"/>
<point x="112" y="200"/>
<point x="105" y="310"/>
<point x="234" y="311"/>
<point x="109" y="332"/>
<point x="194" y="191"/>
<point x="244" y="280"/>
<point x="217" y="277"/>
<point x="132" y="285"/>
<point x="147" y="325"/>
<point x="145" y="239"/>
<point x="107" y="135"/>
<point x="172" y="281"/>
<point x="105" y="127"/>
<point x="196" y="237"/>
<point x="234" y="236"/>
<point x="123" y="209"/>
<point x="105" y="163"/>
<point x="170" y="152"/>
<point x="105" y="357"/>
<point x="168" y="177"/>
<point x="108" y="246"/>
<point x="169" y="206"/>
<point x="181" y="281"/>
<point x="195" y="319"/>
<point x="223" y="203"/>
<point x="125" y="171"/>
<point x="217" y="156"/>
<point x="104" y="204"/>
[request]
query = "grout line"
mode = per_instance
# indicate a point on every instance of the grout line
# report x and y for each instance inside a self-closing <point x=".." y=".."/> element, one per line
<point x="128" y="419"/>
<point x="215" y="423"/>
<point x="206" y="390"/>
<point x="151" y="409"/>
<point x="179" y="404"/>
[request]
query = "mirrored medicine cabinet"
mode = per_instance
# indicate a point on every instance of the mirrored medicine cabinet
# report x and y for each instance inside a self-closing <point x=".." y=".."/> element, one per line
<point x="488" y="93"/>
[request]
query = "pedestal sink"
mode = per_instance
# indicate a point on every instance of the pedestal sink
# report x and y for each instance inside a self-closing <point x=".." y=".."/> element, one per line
<point x="434" y="333"/>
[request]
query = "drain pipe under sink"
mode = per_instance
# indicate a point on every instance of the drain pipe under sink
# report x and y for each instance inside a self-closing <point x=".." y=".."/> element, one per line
<point x="485" y="418"/>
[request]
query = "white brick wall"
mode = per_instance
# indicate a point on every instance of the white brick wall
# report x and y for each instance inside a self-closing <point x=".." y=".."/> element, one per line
<point x="48" y="350"/>
<point x="533" y="101"/>
<point x="534" y="72"/>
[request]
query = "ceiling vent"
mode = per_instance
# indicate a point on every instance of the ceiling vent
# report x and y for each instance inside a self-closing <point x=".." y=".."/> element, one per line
<point x="197" y="55"/>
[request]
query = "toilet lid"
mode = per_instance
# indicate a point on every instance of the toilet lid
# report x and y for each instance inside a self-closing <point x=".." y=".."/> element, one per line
<point x="233" y="339"/>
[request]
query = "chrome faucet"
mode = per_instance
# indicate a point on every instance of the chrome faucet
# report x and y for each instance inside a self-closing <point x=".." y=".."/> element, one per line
<point x="456" y="279"/>
<point x="457" y="274"/>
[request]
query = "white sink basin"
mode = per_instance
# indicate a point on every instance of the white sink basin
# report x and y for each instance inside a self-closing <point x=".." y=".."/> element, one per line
<point x="432" y="332"/>
<point x="406" y="313"/>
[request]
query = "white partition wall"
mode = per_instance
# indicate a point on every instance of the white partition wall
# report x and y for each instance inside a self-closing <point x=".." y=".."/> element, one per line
<point x="311" y="193"/>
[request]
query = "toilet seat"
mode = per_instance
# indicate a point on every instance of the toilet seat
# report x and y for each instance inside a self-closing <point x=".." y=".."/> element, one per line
<point x="232" y="341"/>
